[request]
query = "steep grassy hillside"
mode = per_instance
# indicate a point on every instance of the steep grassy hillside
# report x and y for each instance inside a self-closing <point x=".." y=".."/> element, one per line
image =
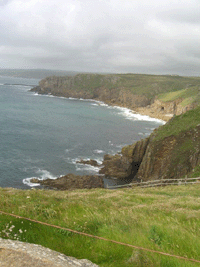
<point x="164" y="219"/>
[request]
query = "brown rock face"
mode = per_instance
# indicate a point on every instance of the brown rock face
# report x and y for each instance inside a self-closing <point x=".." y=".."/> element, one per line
<point x="164" y="110"/>
<point x="71" y="182"/>
<point x="125" y="165"/>
<point x="172" y="157"/>
<point x="116" y="166"/>
<point x="147" y="159"/>
<point x="67" y="87"/>
<point x="91" y="162"/>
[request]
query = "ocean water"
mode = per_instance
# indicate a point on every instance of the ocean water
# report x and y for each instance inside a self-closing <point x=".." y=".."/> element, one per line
<point x="43" y="136"/>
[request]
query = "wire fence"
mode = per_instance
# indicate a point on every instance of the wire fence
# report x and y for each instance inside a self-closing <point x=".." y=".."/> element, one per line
<point x="160" y="182"/>
<point x="100" y="238"/>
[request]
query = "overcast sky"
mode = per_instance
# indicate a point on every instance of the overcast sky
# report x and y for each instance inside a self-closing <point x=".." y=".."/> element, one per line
<point x="138" y="36"/>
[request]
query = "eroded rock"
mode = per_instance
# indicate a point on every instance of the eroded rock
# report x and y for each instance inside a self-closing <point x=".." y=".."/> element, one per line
<point x="72" y="181"/>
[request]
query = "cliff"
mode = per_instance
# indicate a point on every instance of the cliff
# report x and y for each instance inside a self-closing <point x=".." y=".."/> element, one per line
<point x="171" y="151"/>
<point x="157" y="96"/>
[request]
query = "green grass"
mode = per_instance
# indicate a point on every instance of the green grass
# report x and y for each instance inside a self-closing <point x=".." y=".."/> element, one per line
<point x="172" y="95"/>
<point x="188" y="96"/>
<point x="164" y="219"/>
<point x="178" y="124"/>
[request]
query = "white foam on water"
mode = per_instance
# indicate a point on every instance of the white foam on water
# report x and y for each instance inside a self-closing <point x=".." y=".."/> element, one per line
<point x="103" y="105"/>
<point x="140" y="133"/>
<point x="41" y="175"/>
<point x="27" y="181"/>
<point x="72" y="98"/>
<point x="126" y="112"/>
<point x="50" y="95"/>
<point x="67" y="150"/>
<point x="88" y="168"/>
<point x="85" y="167"/>
<point x="120" y="146"/>
<point x="130" y="115"/>
<point x="98" y="151"/>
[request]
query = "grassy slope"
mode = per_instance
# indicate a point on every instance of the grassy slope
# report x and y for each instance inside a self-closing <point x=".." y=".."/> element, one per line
<point x="165" y="219"/>
<point x="178" y="124"/>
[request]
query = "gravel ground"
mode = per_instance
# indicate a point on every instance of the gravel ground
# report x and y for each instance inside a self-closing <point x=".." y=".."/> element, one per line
<point x="21" y="254"/>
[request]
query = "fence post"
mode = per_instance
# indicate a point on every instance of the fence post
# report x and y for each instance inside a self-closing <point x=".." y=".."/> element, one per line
<point x="185" y="179"/>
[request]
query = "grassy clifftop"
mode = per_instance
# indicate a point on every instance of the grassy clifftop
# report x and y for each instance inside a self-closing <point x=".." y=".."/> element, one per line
<point x="182" y="123"/>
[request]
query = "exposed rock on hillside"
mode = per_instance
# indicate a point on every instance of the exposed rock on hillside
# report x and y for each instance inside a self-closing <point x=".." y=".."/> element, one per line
<point x="72" y="181"/>
<point x="165" y="110"/>
<point x="125" y="165"/>
<point x="172" y="157"/>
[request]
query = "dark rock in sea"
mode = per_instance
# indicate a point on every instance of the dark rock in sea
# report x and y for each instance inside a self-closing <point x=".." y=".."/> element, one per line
<point x="72" y="181"/>
<point x="91" y="162"/>
<point x="116" y="166"/>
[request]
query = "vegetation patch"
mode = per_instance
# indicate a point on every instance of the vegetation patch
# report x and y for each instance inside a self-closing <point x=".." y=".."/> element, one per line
<point x="171" y="96"/>
<point x="178" y="124"/>
<point x="165" y="219"/>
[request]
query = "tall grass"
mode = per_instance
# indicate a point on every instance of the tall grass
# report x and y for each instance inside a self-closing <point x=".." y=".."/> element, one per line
<point x="164" y="219"/>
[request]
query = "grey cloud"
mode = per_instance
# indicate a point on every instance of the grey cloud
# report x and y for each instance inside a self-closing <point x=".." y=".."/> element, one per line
<point x="114" y="36"/>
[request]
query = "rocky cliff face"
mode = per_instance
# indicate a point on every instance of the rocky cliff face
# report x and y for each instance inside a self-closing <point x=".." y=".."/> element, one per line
<point x="171" y="157"/>
<point x="148" y="159"/>
<point x="165" y="110"/>
<point x="74" y="87"/>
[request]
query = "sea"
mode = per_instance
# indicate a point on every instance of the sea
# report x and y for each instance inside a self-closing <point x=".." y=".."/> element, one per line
<point x="42" y="136"/>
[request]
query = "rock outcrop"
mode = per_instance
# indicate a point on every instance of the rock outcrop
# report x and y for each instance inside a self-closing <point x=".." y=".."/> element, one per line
<point x="72" y="181"/>
<point x="150" y="159"/>
<point x="165" y="110"/>
<point x="171" y="157"/>
<point x="91" y="162"/>
<point x="125" y="165"/>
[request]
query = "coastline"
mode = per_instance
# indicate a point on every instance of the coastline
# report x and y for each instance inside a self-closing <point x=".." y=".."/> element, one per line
<point x="141" y="113"/>
<point x="68" y="178"/>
